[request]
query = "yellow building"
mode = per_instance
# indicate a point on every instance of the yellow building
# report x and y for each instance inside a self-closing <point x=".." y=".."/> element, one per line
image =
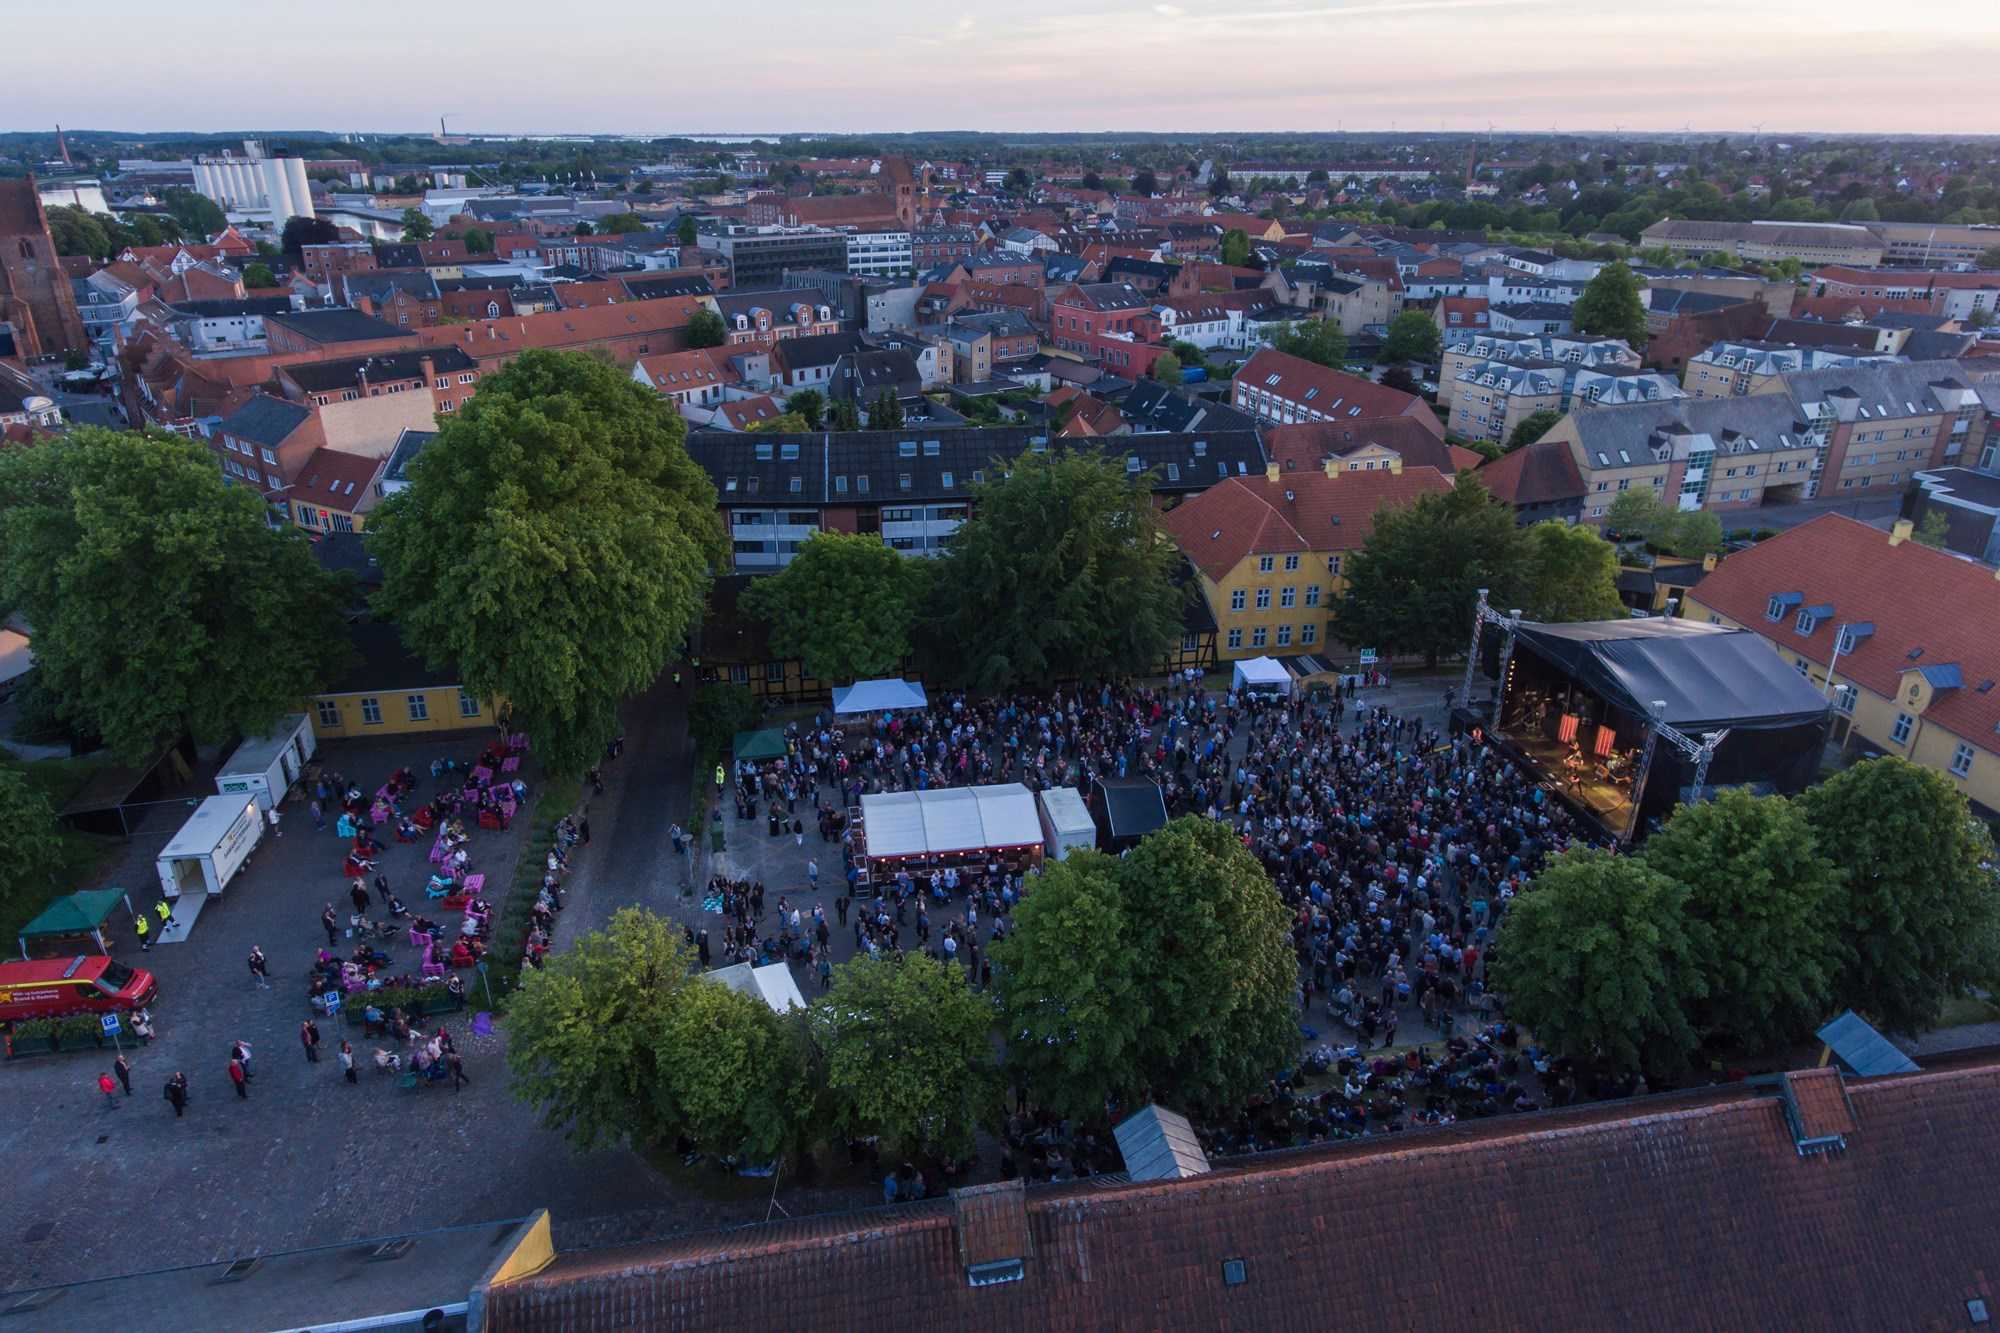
<point x="1271" y="551"/>
<point x="390" y="692"/>
<point x="1903" y="639"/>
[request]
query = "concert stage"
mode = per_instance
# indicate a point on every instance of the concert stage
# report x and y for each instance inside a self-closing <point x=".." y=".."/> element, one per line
<point x="1624" y="719"/>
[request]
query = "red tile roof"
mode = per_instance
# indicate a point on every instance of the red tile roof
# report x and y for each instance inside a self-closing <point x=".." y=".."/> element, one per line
<point x="1307" y="445"/>
<point x="1301" y="511"/>
<point x="676" y="372"/>
<point x="1534" y="474"/>
<point x="1693" y="1211"/>
<point x="1915" y="597"/>
<point x="743" y="413"/>
<point x="332" y="479"/>
<point x="1298" y="377"/>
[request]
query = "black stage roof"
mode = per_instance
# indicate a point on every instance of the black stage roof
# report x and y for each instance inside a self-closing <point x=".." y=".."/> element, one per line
<point x="1708" y="676"/>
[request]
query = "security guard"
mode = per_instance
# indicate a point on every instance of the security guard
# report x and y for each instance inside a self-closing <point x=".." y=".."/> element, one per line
<point x="165" y="913"/>
<point x="144" y="925"/>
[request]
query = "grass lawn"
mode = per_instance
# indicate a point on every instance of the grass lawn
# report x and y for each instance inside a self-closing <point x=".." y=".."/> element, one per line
<point x="84" y="855"/>
<point x="1964" y="1009"/>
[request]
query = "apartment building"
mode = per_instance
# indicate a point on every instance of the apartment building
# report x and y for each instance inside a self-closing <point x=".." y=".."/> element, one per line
<point x="1717" y="453"/>
<point x="1105" y="322"/>
<point x="879" y="254"/>
<point x="1932" y="243"/>
<point x="759" y="256"/>
<point x="1955" y="295"/>
<point x="1282" y="389"/>
<point x="1469" y="348"/>
<point x="1732" y="369"/>
<point x="1883" y="423"/>
<point x="1493" y="398"/>
<point x="1811" y="243"/>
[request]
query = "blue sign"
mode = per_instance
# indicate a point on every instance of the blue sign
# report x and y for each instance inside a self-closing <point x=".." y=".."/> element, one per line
<point x="110" y="1022"/>
<point x="332" y="1001"/>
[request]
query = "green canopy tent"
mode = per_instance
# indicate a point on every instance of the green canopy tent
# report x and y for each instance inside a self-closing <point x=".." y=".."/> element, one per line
<point x="74" y="914"/>
<point x="757" y="746"/>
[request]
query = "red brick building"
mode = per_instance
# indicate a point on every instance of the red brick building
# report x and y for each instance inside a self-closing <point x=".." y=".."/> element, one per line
<point x="35" y="295"/>
<point x="1106" y="322"/>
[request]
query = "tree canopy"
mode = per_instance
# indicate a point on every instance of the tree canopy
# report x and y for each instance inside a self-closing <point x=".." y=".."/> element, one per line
<point x="1413" y="336"/>
<point x="163" y="600"/>
<point x="554" y="542"/>
<point x="1319" y="341"/>
<point x="1060" y="571"/>
<point x="1167" y="368"/>
<point x="686" y="232"/>
<point x="620" y="224"/>
<point x="1532" y="427"/>
<point x="30" y="846"/>
<point x="1572" y="573"/>
<point x="1918" y="904"/>
<point x="706" y="329"/>
<point x="1235" y="249"/>
<point x="1412" y="585"/>
<point x="259" y="276"/>
<point x="417" y="225"/>
<point x="1600" y="959"/>
<point x="1681" y="532"/>
<point x="907" y="1050"/>
<point x="885" y="412"/>
<point x="1610" y="306"/>
<point x="844" y="605"/>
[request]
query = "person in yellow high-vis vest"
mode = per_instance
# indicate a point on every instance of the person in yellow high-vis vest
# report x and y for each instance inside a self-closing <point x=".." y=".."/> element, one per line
<point x="721" y="778"/>
<point x="144" y="925"/>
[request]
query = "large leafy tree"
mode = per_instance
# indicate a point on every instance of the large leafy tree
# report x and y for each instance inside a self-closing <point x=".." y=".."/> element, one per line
<point x="1602" y="961"/>
<point x="1610" y="306"/>
<point x="1756" y="877"/>
<point x="844" y="605"/>
<point x="30" y="847"/>
<point x="705" y="329"/>
<point x="617" y="1040"/>
<point x="163" y="600"/>
<point x="1413" y="336"/>
<point x="1919" y="905"/>
<point x="1235" y="249"/>
<point x="416" y="225"/>
<point x="1071" y="989"/>
<point x="907" y="1051"/>
<point x="1412" y="586"/>
<point x="1319" y="341"/>
<point x="1060" y="571"/>
<point x="555" y="543"/>
<point x="1572" y="574"/>
<point x="1535" y="425"/>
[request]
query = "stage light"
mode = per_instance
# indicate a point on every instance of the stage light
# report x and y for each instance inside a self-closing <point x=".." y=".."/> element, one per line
<point x="1605" y="736"/>
<point x="1567" y="732"/>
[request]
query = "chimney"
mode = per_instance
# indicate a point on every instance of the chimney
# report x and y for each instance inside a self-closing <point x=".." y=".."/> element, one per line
<point x="1396" y="465"/>
<point x="1708" y="564"/>
<point x="429" y="368"/>
<point x="1271" y="473"/>
<point x="1331" y="465"/>
<point x="1902" y="532"/>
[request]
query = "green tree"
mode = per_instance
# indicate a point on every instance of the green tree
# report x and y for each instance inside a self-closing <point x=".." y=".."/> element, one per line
<point x="1059" y="572"/>
<point x="1072" y="992"/>
<point x="843" y="415"/>
<point x="1572" y="574"/>
<point x="785" y="423"/>
<point x="77" y="232"/>
<point x="885" y="413"/>
<point x="1412" y="585"/>
<point x="617" y="1041"/>
<point x="30" y="845"/>
<point x="478" y="241"/>
<point x="416" y="226"/>
<point x="1019" y="181"/>
<point x="1688" y="533"/>
<point x="583" y="229"/>
<point x="1167" y="369"/>
<point x="706" y="329"/>
<point x="1610" y="306"/>
<point x="908" y="1053"/>
<point x="163" y="600"/>
<point x="1989" y="257"/>
<point x="686" y="231"/>
<point x="844" y="605"/>
<point x="1412" y="337"/>
<point x="810" y="404"/>
<point x="300" y="232"/>
<point x="1092" y="181"/>
<point x="1756" y="877"/>
<point x="257" y="276"/>
<point x="1918" y="903"/>
<point x="1602" y="961"/>
<point x="1934" y="529"/>
<point x="1635" y="514"/>
<point x="1235" y="247"/>
<point x="197" y="214"/>
<point x="1533" y="427"/>
<point x="1319" y="341"/>
<point x="621" y="224"/>
<point x="554" y="543"/>
<point x="1861" y="210"/>
<point x="1145" y="182"/>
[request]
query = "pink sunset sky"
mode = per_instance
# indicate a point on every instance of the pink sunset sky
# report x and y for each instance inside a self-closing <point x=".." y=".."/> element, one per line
<point x="664" y="66"/>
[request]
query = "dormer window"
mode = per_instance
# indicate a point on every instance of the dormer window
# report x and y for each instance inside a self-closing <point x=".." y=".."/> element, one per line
<point x="1805" y="622"/>
<point x="1780" y="604"/>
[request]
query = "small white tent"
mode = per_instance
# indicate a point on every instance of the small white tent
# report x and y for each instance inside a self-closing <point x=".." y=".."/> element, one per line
<point x="771" y="983"/>
<point x="1262" y="673"/>
<point x="1066" y="822"/>
<point x="875" y="696"/>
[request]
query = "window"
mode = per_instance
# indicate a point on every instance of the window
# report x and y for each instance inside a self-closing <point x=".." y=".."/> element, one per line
<point x="774" y="673"/>
<point x="1236" y="638"/>
<point x="1188" y="643"/>
<point x="1237" y="599"/>
<point x="1291" y="563"/>
<point x="1844" y="698"/>
<point x="329" y="713"/>
<point x="1805" y="622"/>
<point x="420" y="708"/>
<point x="1288" y="597"/>
<point x="944" y="479"/>
<point x="1312" y="594"/>
<point x="1308" y="633"/>
<point x="1264" y="564"/>
<point x="269" y="457"/>
<point x="907" y="449"/>
<point x="1900" y="733"/>
<point x="1284" y="636"/>
<point x="467" y="705"/>
<point x="371" y="711"/>
<point x="1961" y="760"/>
<point x="1263" y="599"/>
<point x="1257" y="637"/>
<point x="1775" y="608"/>
<point x="1333" y="565"/>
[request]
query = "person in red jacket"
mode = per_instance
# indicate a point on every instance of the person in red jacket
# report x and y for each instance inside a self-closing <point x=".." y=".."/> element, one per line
<point x="240" y="1077"/>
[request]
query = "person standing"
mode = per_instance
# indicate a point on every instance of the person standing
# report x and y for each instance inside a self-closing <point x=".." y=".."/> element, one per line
<point x="347" y="1062"/>
<point x="357" y="893"/>
<point x="456" y="1063"/>
<point x="109" y="1087"/>
<point x="382" y="887"/>
<point x="319" y="816"/>
<point x="327" y="919"/>
<point x="258" y="971"/>
<point x="240" y="1077"/>
<point x="272" y="815"/>
<point x="309" y="1038"/>
<point x="144" y="926"/>
<point x="165" y="912"/>
<point x="124" y="1071"/>
<point x="177" y="1093"/>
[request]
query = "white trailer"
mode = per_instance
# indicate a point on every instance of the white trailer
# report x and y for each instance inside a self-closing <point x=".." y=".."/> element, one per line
<point x="1066" y="822"/>
<point x="211" y="847"/>
<point x="266" y="767"/>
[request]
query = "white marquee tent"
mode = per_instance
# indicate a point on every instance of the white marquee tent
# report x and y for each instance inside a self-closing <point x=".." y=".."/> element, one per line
<point x="950" y="819"/>
<point x="771" y="983"/>
<point x="1262" y="673"/>
<point x="874" y="696"/>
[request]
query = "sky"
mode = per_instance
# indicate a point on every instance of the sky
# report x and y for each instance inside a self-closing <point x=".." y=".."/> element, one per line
<point x="670" y="66"/>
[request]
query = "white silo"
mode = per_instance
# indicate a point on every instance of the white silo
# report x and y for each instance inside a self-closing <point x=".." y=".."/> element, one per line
<point x="277" y="190"/>
<point x="300" y="188"/>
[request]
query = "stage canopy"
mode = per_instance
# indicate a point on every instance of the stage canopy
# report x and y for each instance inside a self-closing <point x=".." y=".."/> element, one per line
<point x="1709" y="676"/>
<point x="771" y="983"/>
<point x="1262" y="673"/>
<point x="950" y="819"/>
<point x="874" y="696"/>
<point x="79" y="913"/>
<point x="756" y="746"/>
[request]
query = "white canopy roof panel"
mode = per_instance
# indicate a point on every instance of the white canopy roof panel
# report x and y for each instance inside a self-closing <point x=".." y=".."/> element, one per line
<point x="874" y="696"/>
<point x="1262" y="671"/>
<point x="950" y="819"/>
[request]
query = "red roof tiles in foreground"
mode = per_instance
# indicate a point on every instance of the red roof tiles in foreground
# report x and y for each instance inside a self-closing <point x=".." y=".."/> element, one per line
<point x="1302" y="511"/>
<point x="1681" y="1212"/>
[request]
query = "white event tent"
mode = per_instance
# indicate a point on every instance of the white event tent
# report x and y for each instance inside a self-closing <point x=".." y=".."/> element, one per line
<point x="1262" y="673"/>
<point x="875" y="696"/>
<point x="905" y="825"/>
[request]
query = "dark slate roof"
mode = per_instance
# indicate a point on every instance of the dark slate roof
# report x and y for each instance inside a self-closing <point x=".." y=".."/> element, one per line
<point x="399" y="256"/>
<point x="1672" y="301"/>
<point x="645" y="287"/>
<point x="821" y="349"/>
<point x="346" y="553"/>
<point x="385" y="664"/>
<point x="869" y="372"/>
<point x="1000" y="323"/>
<point x="408" y="445"/>
<point x="1124" y="266"/>
<point x="254" y="305"/>
<point x="1935" y="345"/>
<point x="500" y="284"/>
<point x="343" y="372"/>
<point x="831" y="468"/>
<point x="1153" y="406"/>
<point x="379" y="285"/>
<point x="1820" y="333"/>
<point x="265" y="419"/>
<point x="339" y="325"/>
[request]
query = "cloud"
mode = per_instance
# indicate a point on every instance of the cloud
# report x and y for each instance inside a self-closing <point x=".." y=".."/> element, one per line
<point x="1171" y="11"/>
